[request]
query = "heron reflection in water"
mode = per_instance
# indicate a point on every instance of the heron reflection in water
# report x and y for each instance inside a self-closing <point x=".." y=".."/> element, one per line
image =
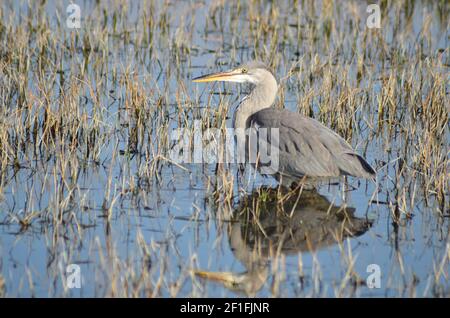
<point x="303" y="225"/>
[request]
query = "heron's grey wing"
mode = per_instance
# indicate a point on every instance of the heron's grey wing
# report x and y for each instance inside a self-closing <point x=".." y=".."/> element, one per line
<point x="306" y="147"/>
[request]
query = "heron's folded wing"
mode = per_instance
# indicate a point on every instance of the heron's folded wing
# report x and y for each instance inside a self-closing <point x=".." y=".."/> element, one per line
<point x="306" y="147"/>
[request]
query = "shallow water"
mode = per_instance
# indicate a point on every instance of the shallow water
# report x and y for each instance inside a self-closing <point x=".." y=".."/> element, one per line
<point x="137" y="231"/>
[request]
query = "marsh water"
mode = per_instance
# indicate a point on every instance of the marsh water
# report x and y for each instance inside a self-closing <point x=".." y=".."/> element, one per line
<point x="105" y="196"/>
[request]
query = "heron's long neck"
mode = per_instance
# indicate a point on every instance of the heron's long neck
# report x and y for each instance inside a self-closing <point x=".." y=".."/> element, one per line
<point x="262" y="96"/>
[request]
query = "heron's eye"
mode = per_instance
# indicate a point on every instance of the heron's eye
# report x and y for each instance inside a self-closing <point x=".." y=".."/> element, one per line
<point x="244" y="71"/>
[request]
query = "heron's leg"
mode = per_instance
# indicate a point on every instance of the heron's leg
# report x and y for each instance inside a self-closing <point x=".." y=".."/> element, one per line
<point x="240" y="173"/>
<point x="241" y="169"/>
<point x="344" y="190"/>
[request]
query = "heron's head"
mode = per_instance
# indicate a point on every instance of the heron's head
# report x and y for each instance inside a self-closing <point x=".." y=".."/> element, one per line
<point x="253" y="72"/>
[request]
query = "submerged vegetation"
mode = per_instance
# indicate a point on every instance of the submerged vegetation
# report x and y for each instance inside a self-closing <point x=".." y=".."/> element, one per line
<point x="86" y="116"/>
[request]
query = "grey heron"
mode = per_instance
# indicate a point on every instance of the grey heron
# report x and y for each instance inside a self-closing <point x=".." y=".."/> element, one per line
<point x="306" y="148"/>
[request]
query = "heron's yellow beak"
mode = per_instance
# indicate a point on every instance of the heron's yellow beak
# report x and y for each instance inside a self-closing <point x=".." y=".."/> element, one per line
<point x="221" y="76"/>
